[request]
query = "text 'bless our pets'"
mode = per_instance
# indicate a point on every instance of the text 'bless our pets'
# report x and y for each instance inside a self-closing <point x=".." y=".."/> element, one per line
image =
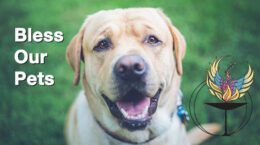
<point x="21" y="56"/>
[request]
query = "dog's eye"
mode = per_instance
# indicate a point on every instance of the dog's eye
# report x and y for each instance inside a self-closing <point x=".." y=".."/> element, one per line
<point x="103" y="45"/>
<point x="152" y="40"/>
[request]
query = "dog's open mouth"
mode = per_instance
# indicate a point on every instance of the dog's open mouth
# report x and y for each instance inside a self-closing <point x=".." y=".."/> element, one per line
<point x="134" y="110"/>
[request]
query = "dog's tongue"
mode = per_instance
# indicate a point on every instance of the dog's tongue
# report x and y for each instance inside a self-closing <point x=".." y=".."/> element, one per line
<point x="134" y="108"/>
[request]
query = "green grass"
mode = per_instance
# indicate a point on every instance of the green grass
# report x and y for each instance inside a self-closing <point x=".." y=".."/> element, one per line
<point x="35" y="115"/>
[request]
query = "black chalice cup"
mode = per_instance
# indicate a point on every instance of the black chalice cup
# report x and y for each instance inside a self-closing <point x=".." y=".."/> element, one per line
<point x="226" y="106"/>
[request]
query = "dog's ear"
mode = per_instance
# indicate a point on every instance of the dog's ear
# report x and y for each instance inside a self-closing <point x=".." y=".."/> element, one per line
<point x="74" y="55"/>
<point x="179" y="42"/>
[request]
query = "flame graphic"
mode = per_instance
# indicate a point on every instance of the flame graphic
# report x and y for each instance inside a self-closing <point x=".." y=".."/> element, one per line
<point x="227" y="89"/>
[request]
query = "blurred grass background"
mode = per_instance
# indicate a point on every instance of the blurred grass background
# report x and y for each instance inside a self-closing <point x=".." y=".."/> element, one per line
<point x="35" y="115"/>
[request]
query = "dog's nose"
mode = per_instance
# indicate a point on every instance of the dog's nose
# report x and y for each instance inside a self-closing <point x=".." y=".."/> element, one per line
<point x="130" y="67"/>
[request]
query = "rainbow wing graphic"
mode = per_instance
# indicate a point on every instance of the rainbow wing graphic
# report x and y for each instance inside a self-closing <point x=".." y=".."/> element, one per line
<point x="243" y="84"/>
<point x="227" y="91"/>
<point x="214" y="80"/>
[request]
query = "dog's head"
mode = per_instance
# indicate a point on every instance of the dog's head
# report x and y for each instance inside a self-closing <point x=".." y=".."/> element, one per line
<point x="132" y="68"/>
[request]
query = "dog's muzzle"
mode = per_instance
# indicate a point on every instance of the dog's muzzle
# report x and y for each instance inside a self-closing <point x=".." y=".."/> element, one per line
<point x="134" y="108"/>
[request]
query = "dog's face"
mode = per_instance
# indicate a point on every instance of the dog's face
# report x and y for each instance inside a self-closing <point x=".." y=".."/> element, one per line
<point x="131" y="74"/>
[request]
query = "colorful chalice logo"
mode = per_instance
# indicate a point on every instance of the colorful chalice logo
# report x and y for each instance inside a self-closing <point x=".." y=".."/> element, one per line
<point x="228" y="90"/>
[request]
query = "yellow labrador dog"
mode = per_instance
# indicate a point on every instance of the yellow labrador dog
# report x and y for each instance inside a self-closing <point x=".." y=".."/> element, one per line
<point x="132" y="70"/>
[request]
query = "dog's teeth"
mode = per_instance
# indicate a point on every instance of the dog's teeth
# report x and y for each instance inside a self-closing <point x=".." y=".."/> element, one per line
<point x="123" y="112"/>
<point x="128" y="117"/>
<point x="146" y="109"/>
<point x="135" y="117"/>
<point x="144" y="112"/>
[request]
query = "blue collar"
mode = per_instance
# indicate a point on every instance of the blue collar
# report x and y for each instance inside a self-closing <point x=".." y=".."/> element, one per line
<point x="181" y="111"/>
